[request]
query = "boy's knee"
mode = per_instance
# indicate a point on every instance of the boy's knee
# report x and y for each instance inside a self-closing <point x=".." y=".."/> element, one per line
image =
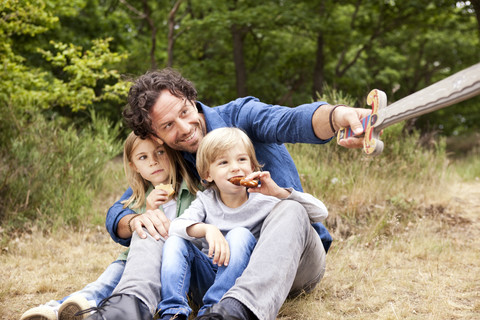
<point x="241" y="240"/>
<point x="175" y="245"/>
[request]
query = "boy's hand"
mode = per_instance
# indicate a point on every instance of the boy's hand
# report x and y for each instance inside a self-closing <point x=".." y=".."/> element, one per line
<point x="267" y="186"/>
<point x="217" y="245"/>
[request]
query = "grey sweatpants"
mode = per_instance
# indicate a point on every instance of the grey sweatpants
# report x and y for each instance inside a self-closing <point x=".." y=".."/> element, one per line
<point x="141" y="276"/>
<point x="289" y="258"/>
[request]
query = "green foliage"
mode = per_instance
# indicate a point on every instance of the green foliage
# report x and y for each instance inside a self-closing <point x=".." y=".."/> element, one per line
<point x="52" y="165"/>
<point x="82" y="71"/>
<point x="52" y="174"/>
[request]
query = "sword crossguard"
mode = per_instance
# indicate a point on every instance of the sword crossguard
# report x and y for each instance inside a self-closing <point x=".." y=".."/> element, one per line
<point x="372" y="145"/>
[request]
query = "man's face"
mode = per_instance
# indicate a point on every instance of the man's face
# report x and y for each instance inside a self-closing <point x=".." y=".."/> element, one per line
<point x="177" y="122"/>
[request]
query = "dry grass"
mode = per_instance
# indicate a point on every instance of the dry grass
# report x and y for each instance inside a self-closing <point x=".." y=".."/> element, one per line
<point x="428" y="269"/>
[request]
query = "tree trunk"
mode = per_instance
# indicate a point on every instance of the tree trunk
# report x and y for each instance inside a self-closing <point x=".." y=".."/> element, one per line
<point x="476" y="7"/>
<point x="171" y="35"/>
<point x="153" y="33"/>
<point x="318" y="71"/>
<point x="238" y="36"/>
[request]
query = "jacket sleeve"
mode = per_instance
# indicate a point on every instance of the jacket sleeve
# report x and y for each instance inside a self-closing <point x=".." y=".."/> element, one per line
<point x="115" y="214"/>
<point x="273" y="123"/>
<point x="316" y="209"/>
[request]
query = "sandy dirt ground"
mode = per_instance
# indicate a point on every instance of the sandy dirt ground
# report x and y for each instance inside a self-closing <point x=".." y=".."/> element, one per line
<point x="430" y="271"/>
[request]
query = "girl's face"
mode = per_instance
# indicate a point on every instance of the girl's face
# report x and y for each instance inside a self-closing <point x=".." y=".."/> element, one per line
<point x="231" y="163"/>
<point x="150" y="160"/>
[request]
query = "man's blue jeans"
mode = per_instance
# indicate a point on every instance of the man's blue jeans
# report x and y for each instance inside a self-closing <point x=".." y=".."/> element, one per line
<point x="185" y="267"/>
<point x="103" y="286"/>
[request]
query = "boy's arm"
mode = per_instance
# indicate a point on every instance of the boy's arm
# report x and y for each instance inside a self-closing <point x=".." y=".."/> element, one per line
<point x="217" y="244"/>
<point x="315" y="208"/>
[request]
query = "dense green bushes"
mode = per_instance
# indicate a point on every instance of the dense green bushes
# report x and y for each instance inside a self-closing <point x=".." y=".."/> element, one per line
<point x="51" y="175"/>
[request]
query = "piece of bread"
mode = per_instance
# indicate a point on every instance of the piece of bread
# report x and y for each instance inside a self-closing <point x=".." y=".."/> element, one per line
<point x="166" y="187"/>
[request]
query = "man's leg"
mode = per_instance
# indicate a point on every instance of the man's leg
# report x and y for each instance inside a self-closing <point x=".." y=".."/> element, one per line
<point x="141" y="277"/>
<point x="288" y="256"/>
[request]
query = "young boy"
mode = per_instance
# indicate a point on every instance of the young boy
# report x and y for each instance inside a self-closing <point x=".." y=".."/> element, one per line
<point x="228" y="217"/>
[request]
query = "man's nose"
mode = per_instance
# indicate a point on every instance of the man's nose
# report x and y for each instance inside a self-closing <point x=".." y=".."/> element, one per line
<point x="183" y="126"/>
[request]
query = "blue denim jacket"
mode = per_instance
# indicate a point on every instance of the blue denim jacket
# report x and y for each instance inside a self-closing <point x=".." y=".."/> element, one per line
<point x="269" y="127"/>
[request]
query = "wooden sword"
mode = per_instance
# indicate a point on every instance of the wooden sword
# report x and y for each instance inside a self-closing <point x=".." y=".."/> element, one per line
<point x="453" y="89"/>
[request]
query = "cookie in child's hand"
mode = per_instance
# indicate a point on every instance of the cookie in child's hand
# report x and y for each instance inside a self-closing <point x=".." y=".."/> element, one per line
<point x="166" y="187"/>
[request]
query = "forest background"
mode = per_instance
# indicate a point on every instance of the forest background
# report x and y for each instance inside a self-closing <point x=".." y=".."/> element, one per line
<point x="65" y="74"/>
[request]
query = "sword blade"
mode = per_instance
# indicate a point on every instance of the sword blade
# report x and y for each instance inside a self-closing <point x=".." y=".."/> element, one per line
<point x="460" y="86"/>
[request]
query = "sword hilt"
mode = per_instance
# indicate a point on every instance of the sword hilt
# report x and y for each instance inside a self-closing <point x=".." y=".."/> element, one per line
<point x="372" y="145"/>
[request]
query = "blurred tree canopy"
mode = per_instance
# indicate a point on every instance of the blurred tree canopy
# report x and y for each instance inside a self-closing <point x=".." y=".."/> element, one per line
<point x="63" y="58"/>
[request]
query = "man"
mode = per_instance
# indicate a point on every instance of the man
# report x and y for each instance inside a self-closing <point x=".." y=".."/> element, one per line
<point x="289" y="257"/>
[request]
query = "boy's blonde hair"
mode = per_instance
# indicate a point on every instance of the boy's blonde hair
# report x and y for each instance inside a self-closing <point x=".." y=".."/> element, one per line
<point x="217" y="142"/>
<point x="177" y="173"/>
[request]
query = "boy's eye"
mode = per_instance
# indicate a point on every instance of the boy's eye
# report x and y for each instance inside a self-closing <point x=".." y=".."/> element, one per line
<point x="142" y="158"/>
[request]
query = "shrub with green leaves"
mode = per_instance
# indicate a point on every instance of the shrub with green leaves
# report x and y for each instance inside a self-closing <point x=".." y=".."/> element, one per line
<point x="51" y="175"/>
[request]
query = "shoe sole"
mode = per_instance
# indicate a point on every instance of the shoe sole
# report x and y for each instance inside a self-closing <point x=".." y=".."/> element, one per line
<point x="39" y="313"/>
<point x="68" y="309"/>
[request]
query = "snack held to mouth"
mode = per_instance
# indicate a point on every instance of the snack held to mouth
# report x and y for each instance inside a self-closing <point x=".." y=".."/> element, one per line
<point x="242" y="181"/>
<point x="166" y="187"/>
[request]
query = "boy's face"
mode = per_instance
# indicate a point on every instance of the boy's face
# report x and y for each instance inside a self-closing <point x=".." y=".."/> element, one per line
<point x="177" y="122"/>
<point x="231" y="163"/>
<point x="150" y="160"/>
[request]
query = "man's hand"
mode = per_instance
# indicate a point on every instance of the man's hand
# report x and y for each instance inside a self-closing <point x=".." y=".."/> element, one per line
<point x="155" y="221"/>
<point x="342" y="116"/>
<point x="350" y="117"/>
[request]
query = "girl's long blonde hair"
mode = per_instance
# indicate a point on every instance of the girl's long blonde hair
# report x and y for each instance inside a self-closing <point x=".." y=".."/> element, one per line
<point x="178" y="173"/>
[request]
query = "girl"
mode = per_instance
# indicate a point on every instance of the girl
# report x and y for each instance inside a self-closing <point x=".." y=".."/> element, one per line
<point x="228" y="217"/>
<point x="146" y="164"/>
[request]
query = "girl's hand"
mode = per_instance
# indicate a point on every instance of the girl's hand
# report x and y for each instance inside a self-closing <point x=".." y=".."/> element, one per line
<point x="155" y="221"/>
<point x="267" y="186"/>
<point x="156" y="198"/>
<point x="217" y="246"/>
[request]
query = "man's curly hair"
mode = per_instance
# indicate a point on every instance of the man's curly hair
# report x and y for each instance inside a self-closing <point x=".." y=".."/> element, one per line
<point x="144" y="93"/>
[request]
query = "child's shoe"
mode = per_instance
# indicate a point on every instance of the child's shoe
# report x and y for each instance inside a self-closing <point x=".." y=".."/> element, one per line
<point x="71" y="306"/>
<point x="40" y="313"/>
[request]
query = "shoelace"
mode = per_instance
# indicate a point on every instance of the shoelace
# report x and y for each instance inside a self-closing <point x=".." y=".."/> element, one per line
<point x="97" y="308"/>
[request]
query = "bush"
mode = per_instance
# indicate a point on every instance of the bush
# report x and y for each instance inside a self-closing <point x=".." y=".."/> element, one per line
<point x="50" y="175"/>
